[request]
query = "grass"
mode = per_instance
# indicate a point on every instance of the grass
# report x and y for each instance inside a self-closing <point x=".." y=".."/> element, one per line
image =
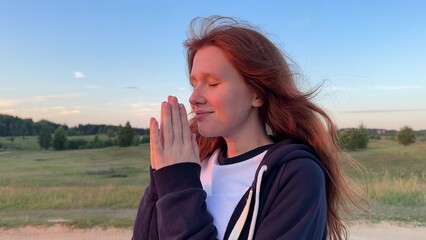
<point x="102" y="187"/>
<point x="396" y="180"/>
<point x="93" y="187"/>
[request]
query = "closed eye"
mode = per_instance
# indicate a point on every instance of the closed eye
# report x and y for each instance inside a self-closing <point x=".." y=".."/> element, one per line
<point x="193" y="83"/>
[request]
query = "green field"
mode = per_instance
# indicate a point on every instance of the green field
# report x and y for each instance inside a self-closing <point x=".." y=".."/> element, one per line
<point x="102" y="187"/>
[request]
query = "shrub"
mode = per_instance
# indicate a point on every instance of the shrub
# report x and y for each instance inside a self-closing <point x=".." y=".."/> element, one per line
<point x="59" y="139"/>
<point x="125" y="137"/>
<point x="74" y="144"/>
<point x="44" y="137"/>
<point x="406" y="136"/>
<point x="145" y="138"/>
<point x="354" y="139"/>
<point x="375" y="137"/>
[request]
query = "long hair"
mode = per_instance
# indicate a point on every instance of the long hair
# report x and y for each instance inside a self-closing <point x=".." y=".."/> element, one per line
<point x="286" y="111"/>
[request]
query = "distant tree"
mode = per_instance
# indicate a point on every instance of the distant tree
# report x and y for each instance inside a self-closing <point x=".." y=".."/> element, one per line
<point x="71" y="132"/>
<point x="354" y="139"/>
<point x="406" y="136"/>
<point x="125" y="136"/>
<point x="44" y="137"/>
<point x="78" y="143"/>
<point x="59" y="139"/>
<point x="110" y="133"/>
<point x="145" y="138"/>
<point x="136" y="140"/>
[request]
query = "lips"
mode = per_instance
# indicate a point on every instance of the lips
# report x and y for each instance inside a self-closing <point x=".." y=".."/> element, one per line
<point x="200" y="114"/>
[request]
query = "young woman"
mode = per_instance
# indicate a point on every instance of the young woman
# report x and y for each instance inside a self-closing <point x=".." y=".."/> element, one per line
<point x="269" y="164"/>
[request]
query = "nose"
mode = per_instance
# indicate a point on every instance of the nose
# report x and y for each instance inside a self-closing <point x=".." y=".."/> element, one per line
<point x="197" y="97"/>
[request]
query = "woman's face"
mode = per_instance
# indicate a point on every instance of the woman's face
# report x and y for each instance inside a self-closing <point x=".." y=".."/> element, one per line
<point x="221" y="101"/>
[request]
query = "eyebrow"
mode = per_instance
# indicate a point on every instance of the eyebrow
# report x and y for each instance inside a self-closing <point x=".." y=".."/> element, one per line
<point x="205" y="76"/>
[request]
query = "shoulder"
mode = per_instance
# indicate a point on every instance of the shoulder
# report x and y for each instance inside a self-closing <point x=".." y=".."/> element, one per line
<point x="289" y="151"/>
<point x="304" y="169"/>
<point x="295" y="162"/>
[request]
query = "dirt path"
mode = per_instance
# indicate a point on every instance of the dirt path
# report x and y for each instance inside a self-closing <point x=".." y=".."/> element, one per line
<point x="59" y="232"/>
<point x="364" y="231"/>
<point x="387" y="231"/>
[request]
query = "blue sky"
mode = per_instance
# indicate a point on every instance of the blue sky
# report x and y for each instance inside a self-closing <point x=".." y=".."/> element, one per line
<point x="108" y="62"/>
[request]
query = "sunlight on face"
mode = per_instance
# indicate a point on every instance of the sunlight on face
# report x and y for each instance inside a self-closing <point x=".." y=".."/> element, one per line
<point x="221" y="100"/>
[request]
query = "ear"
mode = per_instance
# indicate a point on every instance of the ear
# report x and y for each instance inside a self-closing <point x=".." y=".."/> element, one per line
<point x="257" y="101"/>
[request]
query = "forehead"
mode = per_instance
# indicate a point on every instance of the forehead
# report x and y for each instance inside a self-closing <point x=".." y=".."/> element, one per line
<point x="211" y="60"/>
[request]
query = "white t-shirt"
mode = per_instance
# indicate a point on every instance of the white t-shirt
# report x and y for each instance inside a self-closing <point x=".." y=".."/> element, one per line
<point x="225" y="182"/>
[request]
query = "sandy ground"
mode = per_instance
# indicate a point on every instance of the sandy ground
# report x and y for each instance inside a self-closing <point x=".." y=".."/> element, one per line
<point x="363" y="231"/>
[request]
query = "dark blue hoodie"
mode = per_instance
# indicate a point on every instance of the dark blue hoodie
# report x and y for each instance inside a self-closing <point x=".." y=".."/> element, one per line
<point x="291" y="203"/>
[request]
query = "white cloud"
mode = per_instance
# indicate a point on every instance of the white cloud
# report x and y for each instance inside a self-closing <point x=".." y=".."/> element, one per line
<point x="398" y="87"/>
<point x="382" y="110"/>
<point x="79" y="75"/>
<point x="8" y="103"/>
<point x="64" y="110"/>
<point x="343" y="89"/>
<point x="45" y="98"/>
<point x="69" y="112"/>
<point x="93" y="86"/>
<point x="6" y="89"/>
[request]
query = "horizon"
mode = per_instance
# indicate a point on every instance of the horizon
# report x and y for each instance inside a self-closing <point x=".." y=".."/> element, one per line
<point x="101" y="62"/>
<point x="116" y="125"/>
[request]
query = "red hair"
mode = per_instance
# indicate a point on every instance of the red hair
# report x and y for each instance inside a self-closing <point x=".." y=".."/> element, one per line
<point x="287" y="112"/>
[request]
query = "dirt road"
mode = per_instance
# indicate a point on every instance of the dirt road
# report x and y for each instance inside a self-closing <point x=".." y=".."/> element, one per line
<point x="364" y="231"/>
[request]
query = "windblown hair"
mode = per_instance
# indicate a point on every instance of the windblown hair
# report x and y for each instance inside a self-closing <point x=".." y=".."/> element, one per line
<point x="286" y="111"/>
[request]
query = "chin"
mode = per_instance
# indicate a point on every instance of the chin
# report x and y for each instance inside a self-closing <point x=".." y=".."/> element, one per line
<point x="208" y="132"/>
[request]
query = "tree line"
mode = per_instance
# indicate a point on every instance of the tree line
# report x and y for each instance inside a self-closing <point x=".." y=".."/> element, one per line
<point x="353" y="139"/>
<point x="60" y="140"/>
<point x="12" y="126"/>
<point x="59" y="136"/>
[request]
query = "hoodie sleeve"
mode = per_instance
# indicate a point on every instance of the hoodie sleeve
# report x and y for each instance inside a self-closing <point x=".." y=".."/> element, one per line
<point x="299" y="208"/>
<point x="181" y="207"/>
<point x="179" y="210"/>
<point x="145" y="226"/>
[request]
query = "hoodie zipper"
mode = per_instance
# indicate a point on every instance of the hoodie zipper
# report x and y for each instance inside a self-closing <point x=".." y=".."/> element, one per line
<point x="236" y="231"/>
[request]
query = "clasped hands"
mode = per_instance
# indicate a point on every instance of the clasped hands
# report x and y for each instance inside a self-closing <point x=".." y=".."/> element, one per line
<point x="172" y="141"/>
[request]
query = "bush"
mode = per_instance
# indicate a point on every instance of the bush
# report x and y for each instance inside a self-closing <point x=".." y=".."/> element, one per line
<point x="145" y="138"/>
<point x="74" y="144"/>
<point x="59" y="139"/>
<point x="406" y="136"/>
<point x="354" y="139"/>
<point x="125" y="136"/>
<point x="44" y="137"/>
<point x="375" y="137"/>
<point x="392" y="138"/>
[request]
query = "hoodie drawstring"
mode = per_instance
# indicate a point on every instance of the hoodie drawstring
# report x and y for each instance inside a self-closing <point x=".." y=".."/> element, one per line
<point x="236" y="231"/>
<point x="256" y="203"/>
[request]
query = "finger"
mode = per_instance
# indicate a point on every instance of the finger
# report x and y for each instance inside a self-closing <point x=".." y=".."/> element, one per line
<point x="195" y="147"/>
<point x="153" y="139"/>
<point x="186" y="131"/>
<point x="166" y="125"/>
<point x="176" y="119"/>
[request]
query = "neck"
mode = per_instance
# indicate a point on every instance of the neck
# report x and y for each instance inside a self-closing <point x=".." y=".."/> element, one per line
<point x="239" y="145"/>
